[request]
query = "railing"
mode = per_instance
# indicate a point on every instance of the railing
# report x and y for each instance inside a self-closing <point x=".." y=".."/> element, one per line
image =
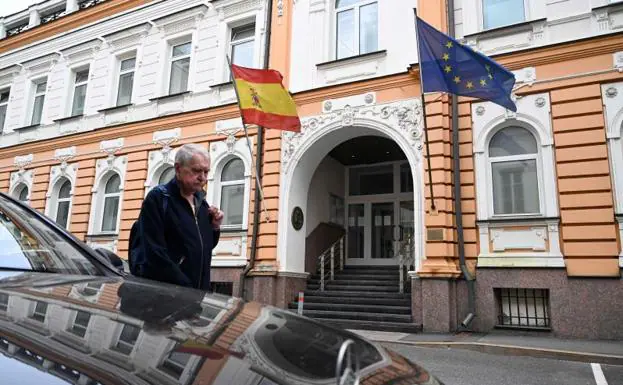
<point x="52" y="16"/>
<point x="328" y="260"/>
<point x="405" y="259"/>
<point x="88" y="3"/>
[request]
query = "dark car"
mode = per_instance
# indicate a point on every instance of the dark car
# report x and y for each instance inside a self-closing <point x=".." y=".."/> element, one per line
<point x="68" y="316"/>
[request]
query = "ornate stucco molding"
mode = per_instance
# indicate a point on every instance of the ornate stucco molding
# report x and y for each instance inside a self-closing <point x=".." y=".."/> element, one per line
<point x="403" y="118"/>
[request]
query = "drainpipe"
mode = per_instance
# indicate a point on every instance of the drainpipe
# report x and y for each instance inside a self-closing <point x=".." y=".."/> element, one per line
<point x="469" y="279"/>
<point x="259" y="158"/>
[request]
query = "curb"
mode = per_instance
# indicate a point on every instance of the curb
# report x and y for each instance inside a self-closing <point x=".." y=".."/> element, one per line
<point x="513" y="350"/>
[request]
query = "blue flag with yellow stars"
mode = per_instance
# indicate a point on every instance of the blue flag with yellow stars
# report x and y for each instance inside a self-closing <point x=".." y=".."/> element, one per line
<point x="448" y="66"/>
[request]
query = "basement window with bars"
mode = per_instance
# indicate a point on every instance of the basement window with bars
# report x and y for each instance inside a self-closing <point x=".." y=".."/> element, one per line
<point x="523" y="308"/>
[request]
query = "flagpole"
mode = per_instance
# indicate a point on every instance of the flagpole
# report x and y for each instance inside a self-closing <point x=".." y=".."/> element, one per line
<point x="246" y="134"/>
<point x="430" y="172"/>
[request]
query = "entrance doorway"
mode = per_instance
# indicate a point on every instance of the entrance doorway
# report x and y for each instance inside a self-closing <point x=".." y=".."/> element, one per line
<point x="380" y="212"/>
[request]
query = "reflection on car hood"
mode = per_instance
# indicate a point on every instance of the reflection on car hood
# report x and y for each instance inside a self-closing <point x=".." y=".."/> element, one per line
<point x="103" y="330"/>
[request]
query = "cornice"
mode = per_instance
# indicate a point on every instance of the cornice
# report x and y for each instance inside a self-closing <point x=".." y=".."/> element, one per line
<point x="135" y="128"/>
<point x="555" y="53"/>
<point x="66" y="23"/>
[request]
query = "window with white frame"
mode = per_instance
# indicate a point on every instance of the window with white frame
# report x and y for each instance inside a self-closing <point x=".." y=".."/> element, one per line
<point x="243" y="45"/>
<point x="180" y="67"/>
<point x="356" y="27"/>
<point x="21" y="193"/>
<point x="126" y="81"/>
<point x="166" y="175"/>
<point x="81" y="79"/>
<point x="80" y="324"/>
<point x="4" y="302"/>
<point x="38" y="101"/>
<point x="39" y="311"/>
<point x="513" y="160"/>
<point x="112" y="195"/>
<point x="175" y="363"/>
<point x="63" y="202"/>
<point x="498" y="13"/>
<point x="4" y="103"/>
<point x="126" y="340"/>
<point x="232" y="185"/>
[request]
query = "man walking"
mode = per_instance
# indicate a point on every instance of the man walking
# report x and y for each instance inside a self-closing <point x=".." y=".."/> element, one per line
<point x="177" y="229"/>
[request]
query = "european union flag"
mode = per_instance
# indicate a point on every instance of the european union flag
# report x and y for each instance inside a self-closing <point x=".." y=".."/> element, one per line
<point x="448" y="66"/>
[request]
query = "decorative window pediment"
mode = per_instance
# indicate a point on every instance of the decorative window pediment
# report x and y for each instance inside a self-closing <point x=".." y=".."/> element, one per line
<point x="82" y="52"/>
<point x="40" y="65"/>
<point x="181" y="21"/>
<point x="127" y="38"/>
<point x="161" y="161"/>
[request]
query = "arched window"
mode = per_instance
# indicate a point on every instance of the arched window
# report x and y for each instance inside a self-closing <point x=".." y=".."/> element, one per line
<point x="166" y="175"/>
<point x="63" y="201"/>
<point x="513" y="159"/>
<point x="356" y="27"/>
<point x="21" y="193"/>
<point x="232" y="192"/>
<point x="112" y="194"/>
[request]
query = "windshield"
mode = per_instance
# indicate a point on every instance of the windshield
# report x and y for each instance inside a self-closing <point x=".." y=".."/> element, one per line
<point x="29" y="244"/>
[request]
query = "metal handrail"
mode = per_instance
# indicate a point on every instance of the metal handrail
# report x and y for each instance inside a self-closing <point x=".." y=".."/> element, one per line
<point x="405" y="258"/>
<point x="327" y="257"/>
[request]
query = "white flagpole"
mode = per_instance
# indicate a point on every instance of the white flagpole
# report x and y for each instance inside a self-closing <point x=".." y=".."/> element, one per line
<point x="246" y="134"/>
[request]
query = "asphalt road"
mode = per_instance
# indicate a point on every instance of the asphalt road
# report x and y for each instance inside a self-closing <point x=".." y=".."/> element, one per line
<point x="464" y="367"/>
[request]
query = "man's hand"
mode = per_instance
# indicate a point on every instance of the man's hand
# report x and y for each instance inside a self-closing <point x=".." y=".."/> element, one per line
<point x="217" y="217"/>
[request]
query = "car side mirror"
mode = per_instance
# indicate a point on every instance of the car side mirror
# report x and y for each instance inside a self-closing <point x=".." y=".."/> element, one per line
<point x="110" y="256"/>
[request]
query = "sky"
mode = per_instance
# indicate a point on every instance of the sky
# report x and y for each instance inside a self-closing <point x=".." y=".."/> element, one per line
<point x="9" y="7"/>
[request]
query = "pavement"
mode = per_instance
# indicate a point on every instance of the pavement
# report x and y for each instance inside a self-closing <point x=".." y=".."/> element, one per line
<point x="466" y="367"/>
<point x="607" y="352"/>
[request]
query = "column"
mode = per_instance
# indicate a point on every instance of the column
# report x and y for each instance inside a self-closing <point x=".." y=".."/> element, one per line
<point x="2" y="28"/>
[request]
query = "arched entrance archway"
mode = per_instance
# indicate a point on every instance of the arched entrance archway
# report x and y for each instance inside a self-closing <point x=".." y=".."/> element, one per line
<point x="303" y="152"/>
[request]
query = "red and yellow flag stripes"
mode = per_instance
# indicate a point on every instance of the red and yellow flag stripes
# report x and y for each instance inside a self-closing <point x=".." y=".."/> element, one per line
<point x="263" y="99"/>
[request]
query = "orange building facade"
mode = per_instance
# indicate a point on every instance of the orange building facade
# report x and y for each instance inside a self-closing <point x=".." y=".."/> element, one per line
<point x="539" y="228"/>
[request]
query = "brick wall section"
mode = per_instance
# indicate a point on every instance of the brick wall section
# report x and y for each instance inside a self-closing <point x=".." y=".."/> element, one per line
<point x="588" y="231"/>
<point x="133" y="195"/>
<point x="108" y="298"/>
<point x="267" y="239"/>
<point x="440" y="254"/>
<point x="468" y="189"/>
<point x="41" y="179"/>
<point x="439" y="138"/>
<point x="81" y="201"/>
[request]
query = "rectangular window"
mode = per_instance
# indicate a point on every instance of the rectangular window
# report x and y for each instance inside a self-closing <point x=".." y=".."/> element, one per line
<point x="356" y="27"/>
<point x="336" y="207"/>
<point x="498" y="13"/>
<point x="80" y="92"/>
<point x="4" y="302"/>
<point x="175" y="364"/>
<point x="126" y="81"/>
<point x="523" y="307"/>
<point x="371" y="180"/>
<point x="81" y="323"/>
<point x="41" y="308"/>
<point x="39" y="101"/>
<point x="242" y="45"/>
<point x="515" y="187"/>
<point x="111" y="210"/>
<point x="180" y="66"/>
<point x="127" y="339"/>
<point x="4" y="102"/>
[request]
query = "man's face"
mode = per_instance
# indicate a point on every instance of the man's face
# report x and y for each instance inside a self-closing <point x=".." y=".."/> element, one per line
<point x="194" y="175"/>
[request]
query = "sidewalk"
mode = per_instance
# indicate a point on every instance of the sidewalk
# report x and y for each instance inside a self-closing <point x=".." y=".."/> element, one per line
<point x="590" y="351"/>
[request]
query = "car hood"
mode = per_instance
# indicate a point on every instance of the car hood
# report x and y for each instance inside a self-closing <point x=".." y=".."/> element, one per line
<point x="58" y="329"/>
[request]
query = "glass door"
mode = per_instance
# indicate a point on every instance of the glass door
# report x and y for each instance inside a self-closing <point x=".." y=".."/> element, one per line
<point x="356" y="231"/>
<point x="382" y="230"/>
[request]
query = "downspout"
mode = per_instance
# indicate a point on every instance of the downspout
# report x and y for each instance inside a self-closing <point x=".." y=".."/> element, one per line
<point x="469" y="279"/>
<point x="259" y="159"/>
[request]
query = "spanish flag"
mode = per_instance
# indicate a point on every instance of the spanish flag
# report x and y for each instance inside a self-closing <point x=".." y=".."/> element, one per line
<point x="263" y="99"/>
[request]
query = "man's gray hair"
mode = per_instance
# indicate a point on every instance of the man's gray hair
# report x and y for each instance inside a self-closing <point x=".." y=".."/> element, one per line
<point x="187" y="151"/>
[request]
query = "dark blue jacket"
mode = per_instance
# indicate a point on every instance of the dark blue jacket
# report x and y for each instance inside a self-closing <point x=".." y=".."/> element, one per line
<point x="176" y="246"/>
